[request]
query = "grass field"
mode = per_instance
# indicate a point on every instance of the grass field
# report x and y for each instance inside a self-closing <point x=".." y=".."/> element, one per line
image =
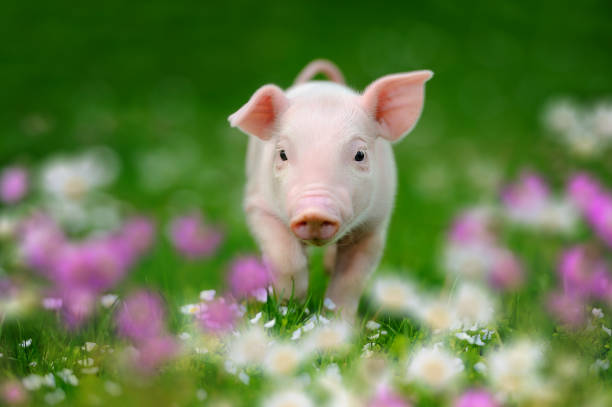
<point x="148" y="87"/>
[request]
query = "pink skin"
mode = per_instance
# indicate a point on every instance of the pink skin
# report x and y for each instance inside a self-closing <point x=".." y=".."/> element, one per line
<point x="320" y="170"/>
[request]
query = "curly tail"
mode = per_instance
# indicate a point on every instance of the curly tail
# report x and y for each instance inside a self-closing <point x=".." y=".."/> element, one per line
<point x="320" y="66"/>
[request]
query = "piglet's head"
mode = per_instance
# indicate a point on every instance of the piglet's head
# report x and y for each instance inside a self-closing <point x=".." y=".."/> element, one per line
<point x="329" y="147"/>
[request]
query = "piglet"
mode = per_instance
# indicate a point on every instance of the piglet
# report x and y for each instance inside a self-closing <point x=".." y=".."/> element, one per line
<point x="321" y="171"/>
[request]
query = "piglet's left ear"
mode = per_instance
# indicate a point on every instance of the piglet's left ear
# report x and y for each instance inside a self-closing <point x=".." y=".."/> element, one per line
<point x="396" y="101"/>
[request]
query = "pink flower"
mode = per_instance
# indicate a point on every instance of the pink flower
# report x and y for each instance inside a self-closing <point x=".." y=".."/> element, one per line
<point x="584" y="274"/>
<point x="78" y="304"/>
<point x="506" y="273"/>
<point x="52" y="303"/>
<point x="12" y="392"/>
<point x="40" y="239"/>
<point x="154" y="352"/>
<point x="582" y="189"/>
<point x="385" y="397"/>
<point x="476" y="398"/>
<point x="471" y="227"/>
<point x="193" y="238"/>
<point x="595" y="203"/>
<point x="528" y="194"/>
<point x="568" y="309"/>
<point x="249" y="277"/>
<point x="141" y="316"/>
<point x="13" y="184"/>
<point x="218" y="316"/>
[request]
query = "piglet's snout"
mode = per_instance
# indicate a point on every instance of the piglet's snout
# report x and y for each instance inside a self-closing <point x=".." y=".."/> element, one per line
<point x="315" y="219"/>
<point x="315" y="226"/>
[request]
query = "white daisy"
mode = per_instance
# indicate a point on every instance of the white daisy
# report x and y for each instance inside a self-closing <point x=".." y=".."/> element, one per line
<point x="473" y="305"/>
<point x="248" y="347"/>
<point x="288" y="398"/>
<point x="514" y="368"/>
<point x="394" y="294"/>
<point x="434" y="367"/>
<point x="331" y="337"/>
<point x="283" y="359"/>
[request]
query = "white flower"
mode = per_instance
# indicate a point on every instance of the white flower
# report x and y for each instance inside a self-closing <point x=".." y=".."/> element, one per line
<point x="288" y="398"/>
<point x="89" y="346"/>
<point x="434" y="367"/>
<point x="329" y="304"/>
<point x="372" y="325"/>
<point x="112" y="388"/>
<point x="283" y="310"/>
<point x="473" y="305"/>
<point x="184" y="336"/>
<point x="207" y="295"/>
<point x="331" y="337"/>
<point x="394" y="294"/>
<point x="191" y="309"/>
<point x="72" y="178"/>
<point x="32" y="382"/>
<point x="108" y="300"/>
<point x="600" y="364"/>
<point x="561" y="116"/>
<point x="68" y="377"/>
<point x="607" y="330"/>
<point x="244" y="378"/>
<point x="296" y="334"/>
<point x="282" y="359"/>
<point x="513" y="368"/>
<point x="597" y="313"/>
<point x="438" y="315"/>
<point x="248" y="347"/>
<point x="55" y="397"/>
<point x="469" y="260"/>
<point x="270" y="323"/>
<point x="201" y="394"/>
<point x="26" y="343"/>
<point x="256" y="318"/>
<point x="602" y="120"/>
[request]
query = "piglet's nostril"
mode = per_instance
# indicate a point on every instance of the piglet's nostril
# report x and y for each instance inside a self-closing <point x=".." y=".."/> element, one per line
<point x="314" y="227"/>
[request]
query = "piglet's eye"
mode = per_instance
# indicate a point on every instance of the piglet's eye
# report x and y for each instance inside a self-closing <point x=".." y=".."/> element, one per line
<point x="359" y="156"/>
<point x="283" y="155"/>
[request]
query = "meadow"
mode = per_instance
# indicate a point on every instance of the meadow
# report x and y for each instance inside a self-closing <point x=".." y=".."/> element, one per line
<point x="128" y="275"/>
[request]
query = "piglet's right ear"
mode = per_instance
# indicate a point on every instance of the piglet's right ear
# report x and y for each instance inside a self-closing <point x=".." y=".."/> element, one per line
<point x="258" y="116"/>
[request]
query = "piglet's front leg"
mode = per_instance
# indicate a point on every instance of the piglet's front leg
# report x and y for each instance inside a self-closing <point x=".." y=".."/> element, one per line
<point x="284" y="253"/>
<point x="356" y="259"/>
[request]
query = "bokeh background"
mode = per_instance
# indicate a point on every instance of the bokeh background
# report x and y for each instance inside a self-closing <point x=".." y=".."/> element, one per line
<point x="155" y="81"/>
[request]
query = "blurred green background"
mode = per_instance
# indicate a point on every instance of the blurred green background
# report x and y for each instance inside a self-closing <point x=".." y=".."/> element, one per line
<point x="156" y="80"/>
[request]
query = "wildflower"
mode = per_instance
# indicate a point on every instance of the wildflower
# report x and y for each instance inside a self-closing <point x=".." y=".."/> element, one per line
<point x="473" y="305"/>
<point x="288" y="397"/>
<point x="154" y="352"/>
<point x="72" y="178"/>
<point x="248" y="347"/>
<point x="13" y="393"/>
<point x="141" y="316"/>
<point x="108" y="300"/>
<point x="218" y="316"/>
<point x="476" y="398"/>
<point x="331" y="337"/>
<point x="13" y="184"/>
<point x="435" y="367"/>
<point x="438" y="315"/>
<point x="248" y="276"/>
<point x="193" y="238"/>
<point x="282" y="359"/>
<point x="506" y="273"/>
<point x="385" y="397"/>
<point x="54" y="397"/>
<point x="207" y="295"/>
<point x="394" y="294"/>
<point x="52" y="303"/>
<point x="514" y="368"/>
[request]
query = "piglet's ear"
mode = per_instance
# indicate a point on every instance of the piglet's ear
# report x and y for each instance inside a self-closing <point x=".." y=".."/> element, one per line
<point x="258" y="116"/>
<point x="395" y="102"/>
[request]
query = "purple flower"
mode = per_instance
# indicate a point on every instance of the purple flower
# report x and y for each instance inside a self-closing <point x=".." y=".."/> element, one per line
<point x="582" y="189"/>
<point x="528" y="194"/>
<point x="584" y="274"/>
<point x="193" y="238"/>
<point x="40" y="239"/>
<point x="595" y="203"/>
<point x="476" y="398"/>
<point x="135" y="237"/>
<point x="13" y="184"/>
<point x="78" y="305"/>
<point x="249" y="277"/>
<point x="218" y="316"/>
<point x="385" y="397"/>
<point x="141" y="316"/>
<point x="93" y="265"/>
